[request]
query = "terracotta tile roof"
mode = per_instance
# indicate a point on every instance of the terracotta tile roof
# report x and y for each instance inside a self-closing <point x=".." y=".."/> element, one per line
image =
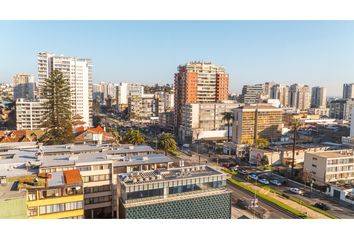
<point x="77" y="116"/>
<point x="72" y="176"/>
<point x="98" y="129"/>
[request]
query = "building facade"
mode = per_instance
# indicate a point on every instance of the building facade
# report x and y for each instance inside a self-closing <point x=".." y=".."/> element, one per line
<point x="299" y="96"/>
<point x="330" y="167"/>
<point x="198" y="82"/>
<point x="196" y="192"/>
<point x="29" y="114"/>
<point x="280" y="92"/>
<point x="79" y="73"/>
<point x="319" y="97"/>
<point x="23" y="85"/>
<point x="256" y="120"/>
<point x="205" y="121"/>
<point x="348" y="90"/>
<point x="252" y="93"/>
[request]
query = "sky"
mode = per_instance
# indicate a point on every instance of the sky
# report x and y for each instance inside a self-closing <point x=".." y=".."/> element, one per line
<point x="317" y="53"/>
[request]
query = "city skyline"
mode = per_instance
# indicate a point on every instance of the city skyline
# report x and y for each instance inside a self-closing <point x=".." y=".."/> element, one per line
<point x="317" y="53"/>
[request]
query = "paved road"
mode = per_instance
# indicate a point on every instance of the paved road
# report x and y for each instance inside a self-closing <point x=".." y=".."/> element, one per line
<point x="272" y="212"/>
<point x="339" y="209"/>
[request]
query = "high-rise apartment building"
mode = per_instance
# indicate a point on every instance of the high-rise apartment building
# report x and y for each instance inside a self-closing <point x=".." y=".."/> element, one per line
<point x="141" y="108"/>
<point x="199" y="82"/>
<point x="126" y="90"/>
<point x="348" y="90"/>
<point x="29" y="114"/>
<point x="79" y="73"/>
<point x="318" y="97"/>
<point x="256" y="120"/>
<point x="299" y="96"/>
<point x="280" y="92"/>
<point x="23" y="85"/>
<point x="252" y="93"/>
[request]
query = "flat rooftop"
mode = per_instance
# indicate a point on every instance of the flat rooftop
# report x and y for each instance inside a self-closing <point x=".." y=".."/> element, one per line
<point x="143" y="177"/>
<point x="22" y="162"/>
<point x="334" y="154"/>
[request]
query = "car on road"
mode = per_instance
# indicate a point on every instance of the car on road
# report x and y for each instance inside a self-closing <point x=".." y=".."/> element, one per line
<point x="296" y="191"/>
<point x="322" y="206"/>
<point x="242" y="171"/>
<point x="275" y="182"/>
<point x="253" y="176"/>
<point x="263" y="181"/>
<point x="235" y="168"/>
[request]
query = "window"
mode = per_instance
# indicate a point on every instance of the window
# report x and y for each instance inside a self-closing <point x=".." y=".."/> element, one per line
<point x="32" y="196"/>
<point x="314" y="165"/>
<point x="33" y="211"/>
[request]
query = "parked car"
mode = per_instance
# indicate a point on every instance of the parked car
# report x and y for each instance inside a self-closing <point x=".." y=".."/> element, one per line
<point x="275" y="182"/>
<point x="322" y="206"/>
<point x="235" y="168"/>
<point x="253" y="176"/>
<point x="296" y="191"/>
<point x="242" y="171"/>
<point x="263" y="181"/>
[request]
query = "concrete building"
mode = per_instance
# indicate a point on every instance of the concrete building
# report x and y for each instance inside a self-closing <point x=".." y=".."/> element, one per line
<point x="256" y="120"/>
<point x="330" y="167"/>
<point x="23" y="85"/>
<point x="166" y="120"/>
<point x="280" y="92"/>
<point x="79" y="73"/>
<point x="341" y="109"/>
<point x="198" y="82"/>
<point x="348" y="90"/>
<point x="252" y="93"/>
<point x="299" y="96"/>
<point x="126" y="90"/>
<point x="319" y="111"/>
<point x="204" y="121"/>
<point x="98" y="93"/>
<point x="319" y="97"/>
<point x="6" y="92"/>
<point x="141" y="108"/>
<point x="196" y="192"/>
<point x="98" y="165"/>
<point x="29" y="114"/>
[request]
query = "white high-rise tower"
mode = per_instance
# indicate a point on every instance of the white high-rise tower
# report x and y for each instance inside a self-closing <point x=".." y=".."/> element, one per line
<point x="79" y="73"/>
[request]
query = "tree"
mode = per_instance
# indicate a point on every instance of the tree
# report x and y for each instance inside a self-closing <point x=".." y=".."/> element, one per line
<point x="264" y="160"/>
<point x="57" y="119"/>
<point x="134" y="137"/>
<point x="262" y="142"/>
<point x="167" y="142"/>
<point x="228" y="116"/>
<point x="115" y="134"/>
<point x="295" y="125"/>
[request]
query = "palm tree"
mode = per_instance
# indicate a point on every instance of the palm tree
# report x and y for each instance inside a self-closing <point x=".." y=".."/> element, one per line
<point x="228" y="116"/>
<point x="262" y="142"/>
<point x="134" y="137"/>
<point x="57" y="119"/>
<point x="167" y="142"/>
<point x="295" y="124"/>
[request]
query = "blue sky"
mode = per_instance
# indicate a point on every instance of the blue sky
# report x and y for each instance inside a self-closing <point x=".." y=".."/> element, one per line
<point x="310" y="52"/>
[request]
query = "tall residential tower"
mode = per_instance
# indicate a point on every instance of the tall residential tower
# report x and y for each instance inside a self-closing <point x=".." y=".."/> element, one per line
<point x="79" y="73"/>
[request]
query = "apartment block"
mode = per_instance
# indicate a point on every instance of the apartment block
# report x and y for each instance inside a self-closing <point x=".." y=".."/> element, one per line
<point x="79" y="73"/>
<point x="319" y="97"/>
<point x="196" y="192"/>
<point x="141" y="108"/>
<point x="29" y="114"/>
<point x="348" y="90"/>
<point x="126" y="90"/>
<point x="280" y="92"/>
<point x="198" y="82"/>
<point x="205" y="121"/>
<point x="330" y="167"/>
<point x="256" y="120"/>
<point x="23" y="86"/>
<point x="299" y="96"/>
<point x="251" y="93"/>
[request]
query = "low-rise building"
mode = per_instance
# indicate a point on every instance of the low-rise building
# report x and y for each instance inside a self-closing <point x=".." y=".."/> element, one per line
<point x="185" y="192"/>
<point x="330" y="167"/>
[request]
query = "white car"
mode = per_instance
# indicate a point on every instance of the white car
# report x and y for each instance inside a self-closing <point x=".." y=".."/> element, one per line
<point x="275" y="182"/>
<point x="296" y="191"/>
<point x="263" y="181"/>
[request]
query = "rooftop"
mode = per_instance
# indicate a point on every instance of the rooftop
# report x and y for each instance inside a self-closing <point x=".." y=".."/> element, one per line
<point x="346" y="153"/>
<point x="142" y="177"/>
